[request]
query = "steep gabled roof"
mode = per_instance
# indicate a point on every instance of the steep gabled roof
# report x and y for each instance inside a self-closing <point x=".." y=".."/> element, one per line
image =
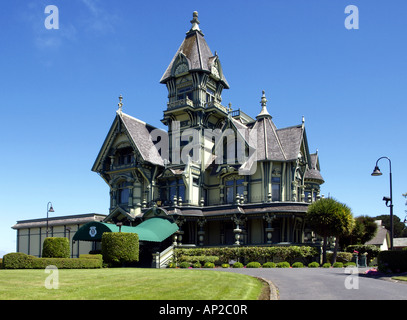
<point x="139" y="134"/>
<point x="291" y="139"/>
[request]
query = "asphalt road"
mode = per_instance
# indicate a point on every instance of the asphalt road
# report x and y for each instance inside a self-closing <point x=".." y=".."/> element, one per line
<point x="327" y="284"/>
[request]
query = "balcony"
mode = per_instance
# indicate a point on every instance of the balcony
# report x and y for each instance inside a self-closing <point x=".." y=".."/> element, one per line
<point x="180" y="103"/>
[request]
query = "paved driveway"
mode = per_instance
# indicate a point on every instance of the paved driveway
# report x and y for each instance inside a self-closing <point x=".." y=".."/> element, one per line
<point x="327" y="284"/>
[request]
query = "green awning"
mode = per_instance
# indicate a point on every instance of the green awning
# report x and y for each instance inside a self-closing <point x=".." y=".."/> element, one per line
<point x="154" y="229"/>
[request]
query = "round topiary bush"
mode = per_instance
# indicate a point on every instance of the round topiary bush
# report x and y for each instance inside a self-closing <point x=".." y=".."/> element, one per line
<point x="54" y="247"/>
<point x="326" y="265"/>
<point x="209" y="265"/>
<point x="313" y="265"/>
<point x="253" y="265"/>
<point x="237" y="265"/>
<point x="119" y="248"/>
<point x="298" y="265"/>
<point x="269" y="265"/>
<point x="338" y="265"/>
<point x="197" y="265"/>
<point x="283" y="264"/>
<point x="225" y="265"/>
<point x="184" y="265"/>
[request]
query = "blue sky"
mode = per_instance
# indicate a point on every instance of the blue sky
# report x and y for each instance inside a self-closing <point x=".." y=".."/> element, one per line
<point x="59" y="90"/>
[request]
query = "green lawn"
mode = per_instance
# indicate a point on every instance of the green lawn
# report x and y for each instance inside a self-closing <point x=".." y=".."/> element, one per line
<point x="402" y="278"/>
<point x="130" y="283"/>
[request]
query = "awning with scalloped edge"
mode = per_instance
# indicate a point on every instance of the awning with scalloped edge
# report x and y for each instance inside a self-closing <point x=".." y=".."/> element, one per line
<point x="153" y="229"/>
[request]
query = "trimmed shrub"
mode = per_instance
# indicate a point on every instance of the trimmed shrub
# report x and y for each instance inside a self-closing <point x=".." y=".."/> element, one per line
<point x="201" y="259"/>
<point x="283" y="264"/>
<point x="269" y="265"/>
<point x="119" y="248"/>
<point x="349" y="264"/>
<point x="197" y="265"/>
<point x="297" y="265"/>
<point x="392" y="261"/>
<point x="18" y="260"/>
<point x="225" y="254"/>
<point x="54" y="247"/>
<point x="326" y="265"/>
<point x="340" y="257"/>
<point x="338" y="265"/>
<point x="172" y="265"/>
<point x="237" y="265"/>
<point x="23" y="261"/>
<point x="225" y="265"/>
<point x="209" y="265"/>
<point x="184" y="265"/>
<point x="253" y="265"/>
<point x="313" y="265"/>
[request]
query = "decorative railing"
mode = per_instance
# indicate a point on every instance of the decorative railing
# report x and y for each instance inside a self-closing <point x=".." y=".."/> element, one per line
<point x="180" y="103"/>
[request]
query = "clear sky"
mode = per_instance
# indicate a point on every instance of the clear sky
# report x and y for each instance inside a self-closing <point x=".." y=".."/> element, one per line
<point x="59" y="90"/>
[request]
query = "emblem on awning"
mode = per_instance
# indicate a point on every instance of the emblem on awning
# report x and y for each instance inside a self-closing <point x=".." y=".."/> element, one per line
<point x="92" y="231"/>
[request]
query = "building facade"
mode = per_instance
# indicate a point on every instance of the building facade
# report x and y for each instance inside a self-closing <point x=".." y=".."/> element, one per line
<point x="223" y="177"/>
<point x="31" y="233"/>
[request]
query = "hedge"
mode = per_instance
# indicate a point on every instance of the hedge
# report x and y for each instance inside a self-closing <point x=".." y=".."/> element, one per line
<point x="19" y="260"/>
<point x="119" y="248"/>
<point x="200" y="259"/>
<point x="54" y="247"/>
<point x="225" y="254"/>
<point x="392" y="261"/>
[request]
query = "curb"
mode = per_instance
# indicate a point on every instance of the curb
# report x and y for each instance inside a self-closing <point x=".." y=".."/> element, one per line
<point x="273" y="289"/>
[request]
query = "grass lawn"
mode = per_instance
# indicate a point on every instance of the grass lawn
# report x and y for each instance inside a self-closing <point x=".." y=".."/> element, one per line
<point x="129" y="283"/>
<point x="402" y="278"/>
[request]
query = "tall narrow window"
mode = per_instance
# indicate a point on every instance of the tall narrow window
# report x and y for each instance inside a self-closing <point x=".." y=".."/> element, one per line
<point x="233" y="188"/>
<point x="276" y="189"/>
<point x="123" y="193"/>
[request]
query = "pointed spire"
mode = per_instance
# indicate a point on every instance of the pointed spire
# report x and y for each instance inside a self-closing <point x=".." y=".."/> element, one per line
<point x="120" y="104"/>
<point x="195" y="23"/>
<point x="263" y="113"/>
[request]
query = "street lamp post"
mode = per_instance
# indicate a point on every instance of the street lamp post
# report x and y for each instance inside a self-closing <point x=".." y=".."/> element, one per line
<point x="49" y="209"/>
<point x="376" y="172"/>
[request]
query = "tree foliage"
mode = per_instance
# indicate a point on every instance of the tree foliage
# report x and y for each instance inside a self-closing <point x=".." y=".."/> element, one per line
<point x="328" y="217"/>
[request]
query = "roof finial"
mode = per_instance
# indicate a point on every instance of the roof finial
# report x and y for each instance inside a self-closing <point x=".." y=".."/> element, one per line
<point x="120" y="104"/>
<point x="195" y="22"/>
<point x="263" y="102"/>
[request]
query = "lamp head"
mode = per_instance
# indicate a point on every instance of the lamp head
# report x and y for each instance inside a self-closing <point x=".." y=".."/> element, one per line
<point x="51" y="209"/>
<point x="376" y="172"/>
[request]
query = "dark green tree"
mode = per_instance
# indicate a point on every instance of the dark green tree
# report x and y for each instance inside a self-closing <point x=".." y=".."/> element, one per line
<point x="328" y="217"/>
<point x="364" y="230"/>
<point x="399" y="227"/>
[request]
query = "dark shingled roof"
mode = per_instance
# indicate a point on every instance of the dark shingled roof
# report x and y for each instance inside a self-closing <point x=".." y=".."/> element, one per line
<point x="139" y="132"/>
<point x="198" y="55"/>
<point x="313" y="172"/>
